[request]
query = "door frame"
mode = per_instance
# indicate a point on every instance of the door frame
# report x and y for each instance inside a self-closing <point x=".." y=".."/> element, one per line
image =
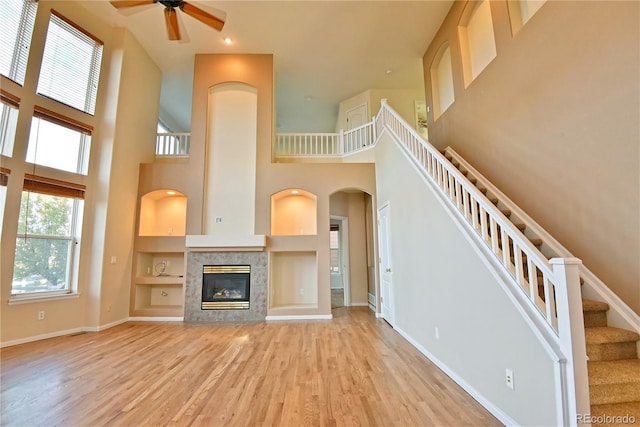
<point x="365" y="107"/>
<point x="344" y="255"/>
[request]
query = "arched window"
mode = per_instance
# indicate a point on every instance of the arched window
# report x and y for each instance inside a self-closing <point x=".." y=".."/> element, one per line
<point x="477" y="41"/>
<point x="442" y="81"/>
<point x="520" y="11"/>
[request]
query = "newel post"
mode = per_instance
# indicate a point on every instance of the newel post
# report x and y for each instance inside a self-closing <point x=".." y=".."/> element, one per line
<point x="566" y="272"/>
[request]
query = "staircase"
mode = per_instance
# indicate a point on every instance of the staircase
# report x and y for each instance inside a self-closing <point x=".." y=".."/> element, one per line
<point x="613" y="366"/>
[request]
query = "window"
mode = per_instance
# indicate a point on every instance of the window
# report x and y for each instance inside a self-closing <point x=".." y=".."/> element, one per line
<point x="48" y="231"/>
<point x="334" y="248"/>
<point x="70" y="65"/>
<point x="520" y="11"/>
<point x="477" y="41"/>
<point x="58" y="142"/>
<point x="18" y="17"/>
<point x="442" y="81"/>
<point x="4" y="179"/>
<point x="8" y="121"/>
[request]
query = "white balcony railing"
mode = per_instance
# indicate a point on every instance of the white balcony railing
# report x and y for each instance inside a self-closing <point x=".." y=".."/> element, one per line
<point x="173" y="144"/>
<point x="325" y="144"/>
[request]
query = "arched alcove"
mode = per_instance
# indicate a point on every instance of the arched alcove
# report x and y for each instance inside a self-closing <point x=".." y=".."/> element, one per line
<point x="163" y="213"/>
<point x="293" y="212"/>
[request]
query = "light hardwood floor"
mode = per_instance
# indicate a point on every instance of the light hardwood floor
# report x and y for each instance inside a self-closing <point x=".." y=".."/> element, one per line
<point x="353" y="370"/>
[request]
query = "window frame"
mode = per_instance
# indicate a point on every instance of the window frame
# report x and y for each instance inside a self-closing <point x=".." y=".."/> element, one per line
<point x="9" y="105"/>
<point x="75" y="193"/>
<point x="93" y="79"/>
<point x="20" y="57"/>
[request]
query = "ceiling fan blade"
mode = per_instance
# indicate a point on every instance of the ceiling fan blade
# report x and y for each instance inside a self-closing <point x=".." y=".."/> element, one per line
<point x="129" y="3"/>
<point x="202" y="16"/>
<point x="171" y="21"/>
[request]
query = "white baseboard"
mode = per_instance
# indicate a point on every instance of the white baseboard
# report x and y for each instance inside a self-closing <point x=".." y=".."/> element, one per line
<point x="359" y="304"/>
<point x="486" y="403"/>
<point x="302" y="317"/>
<point x="104" y="327"/>
<point x="42" y="337"/>
<point x="156" y="319"/>
<point x="379" y="315"/>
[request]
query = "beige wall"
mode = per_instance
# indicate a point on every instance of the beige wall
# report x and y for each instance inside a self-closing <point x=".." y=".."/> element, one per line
<point x="318" y="179"/>
<point x="553" y="121"/>
<point x="439" y="280"/>
<point x="124" y="129"/>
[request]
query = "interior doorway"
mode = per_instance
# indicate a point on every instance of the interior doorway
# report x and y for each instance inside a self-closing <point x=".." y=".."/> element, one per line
<point x="351" y="249"/>
<point x="339" y="261"/>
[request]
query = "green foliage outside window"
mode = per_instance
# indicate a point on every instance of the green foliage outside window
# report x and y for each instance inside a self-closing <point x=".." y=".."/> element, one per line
<point x="43" y="245"/>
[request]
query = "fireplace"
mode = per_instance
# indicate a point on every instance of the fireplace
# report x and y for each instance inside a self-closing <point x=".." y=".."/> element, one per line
<point x="226" y="287"/>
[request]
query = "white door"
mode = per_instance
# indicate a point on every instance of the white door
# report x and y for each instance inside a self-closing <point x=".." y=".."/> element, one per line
<point x="386" y="273"/>
<point x="357" y="116"/>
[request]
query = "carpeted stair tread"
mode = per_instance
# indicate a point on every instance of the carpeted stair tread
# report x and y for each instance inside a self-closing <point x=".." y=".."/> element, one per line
<point x="607" y="334"/>
<point x="614" y="371"/>
<point x="592" y="305"/>
<point x="616" y="412"/>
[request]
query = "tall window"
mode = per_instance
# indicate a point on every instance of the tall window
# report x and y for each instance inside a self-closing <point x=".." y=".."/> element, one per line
<point x="58" y="142"/>
<point x="477" y="40"/>
<point x="4" y="179"/>
<point x="334" y="248"/>
<point x="8" y="121"/>
<point x="18" y="17"/>
<point x="520" y="11"/>
<point x="48" y="227"/>
<point x="442" y="81"/>
<point x="70" y="65"/>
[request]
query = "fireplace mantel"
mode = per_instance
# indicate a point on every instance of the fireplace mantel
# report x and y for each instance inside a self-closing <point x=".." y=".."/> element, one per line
<point x="248" y="242"/>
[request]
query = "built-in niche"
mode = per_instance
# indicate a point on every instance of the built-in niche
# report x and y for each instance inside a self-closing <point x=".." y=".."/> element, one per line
<point x="163" y="213"/>
<point x="294" y="280"/>
<point x="293" y="212"/>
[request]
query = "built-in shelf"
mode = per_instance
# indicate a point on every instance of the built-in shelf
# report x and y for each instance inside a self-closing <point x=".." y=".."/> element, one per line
<point x="158" y="284"/>
<point x="294" y="280"/>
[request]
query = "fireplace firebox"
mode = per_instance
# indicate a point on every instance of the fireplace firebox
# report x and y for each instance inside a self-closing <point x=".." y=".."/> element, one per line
<point x="226" y="287"/>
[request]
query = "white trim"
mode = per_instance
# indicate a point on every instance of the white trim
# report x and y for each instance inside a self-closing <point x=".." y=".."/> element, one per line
<point x="486" y="403"/>
<point x="359" y="304"/>
<point x="41" y="337"/>
<point x="301" y="317"/>
<point x="104" y="327"/>
<point x="156" y="319"/>
<point x="15" y="300"/>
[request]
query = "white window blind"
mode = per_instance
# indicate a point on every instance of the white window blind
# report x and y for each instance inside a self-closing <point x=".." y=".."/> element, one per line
<point x="70" y="65"/>
<point x="18" y="17"/>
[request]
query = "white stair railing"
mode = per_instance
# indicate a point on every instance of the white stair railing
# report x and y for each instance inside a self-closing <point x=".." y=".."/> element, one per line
<point x="560" y="301"/>
<point x="620" y="314"/>
<point x="173" y="144"/>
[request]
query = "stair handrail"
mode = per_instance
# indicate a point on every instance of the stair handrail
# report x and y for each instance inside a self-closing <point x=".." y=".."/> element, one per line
<point x="565" y="323"/>
<point x="621" y="314"/>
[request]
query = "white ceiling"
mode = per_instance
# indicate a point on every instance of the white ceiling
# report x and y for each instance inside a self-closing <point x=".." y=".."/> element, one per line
<point x="325" y="50"/>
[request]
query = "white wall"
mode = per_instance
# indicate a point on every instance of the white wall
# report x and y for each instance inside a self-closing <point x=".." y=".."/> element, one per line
<point x="440" y="281"/>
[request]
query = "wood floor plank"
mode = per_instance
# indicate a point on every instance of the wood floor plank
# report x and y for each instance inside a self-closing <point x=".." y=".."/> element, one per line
<point x="354" y="370"/>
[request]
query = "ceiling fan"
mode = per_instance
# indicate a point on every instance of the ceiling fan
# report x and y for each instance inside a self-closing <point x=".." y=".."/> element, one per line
<point x="170" y="15"/>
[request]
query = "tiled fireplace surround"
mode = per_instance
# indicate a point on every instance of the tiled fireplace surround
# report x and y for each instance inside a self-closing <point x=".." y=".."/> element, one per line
<point x="193" y="286"/>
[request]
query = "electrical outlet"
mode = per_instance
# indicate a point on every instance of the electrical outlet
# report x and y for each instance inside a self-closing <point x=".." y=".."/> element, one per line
<point x="109" y="307"/>
<point x="436" y="332"/>
<point x="41" y="315"/>
<point x="114" y="260"/>
<point x="509" y="379"/>
<point x="301" y="291"/>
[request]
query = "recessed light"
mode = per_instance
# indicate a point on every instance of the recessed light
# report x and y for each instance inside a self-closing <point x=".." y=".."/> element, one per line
<point x="228" y="40"/>
<point x="388" y="72"/>
<point x="295" y="192"/>
<point x="171" y="193"/>
<point x="308" y="98"/>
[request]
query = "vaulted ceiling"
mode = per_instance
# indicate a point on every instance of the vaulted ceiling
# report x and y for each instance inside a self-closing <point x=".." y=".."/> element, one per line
<point x="324" y="51"/>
